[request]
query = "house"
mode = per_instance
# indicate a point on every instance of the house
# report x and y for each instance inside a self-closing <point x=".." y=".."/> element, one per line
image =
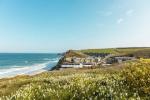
<point x="77" y="60"/>
<point x="121" y="59"/>
<point x="69" y="59"/>
<point x="89" y="60"/>
<point x="72" y="65"/>
<point x="97" y="59"/>
<point x="87" y="65"/>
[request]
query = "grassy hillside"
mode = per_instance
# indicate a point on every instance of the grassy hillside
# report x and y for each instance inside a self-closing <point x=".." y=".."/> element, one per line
<point x="73" y="53"/>
<point x="111" y="50"/>
<point x="134" y="51"/>
<point x="131" y="82"/>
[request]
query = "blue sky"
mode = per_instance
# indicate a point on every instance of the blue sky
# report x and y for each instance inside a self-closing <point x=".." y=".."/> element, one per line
<point x="59" y="25"/>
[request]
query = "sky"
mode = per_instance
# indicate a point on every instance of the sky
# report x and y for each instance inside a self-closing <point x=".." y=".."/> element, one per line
<point x="59" y="25"/>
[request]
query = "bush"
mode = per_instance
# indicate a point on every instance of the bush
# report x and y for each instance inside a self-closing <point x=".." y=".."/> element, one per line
<point x="137" y="77"/>
<point x="133" y="82"/>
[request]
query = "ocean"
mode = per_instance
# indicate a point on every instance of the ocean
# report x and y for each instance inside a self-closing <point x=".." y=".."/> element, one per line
<point x="13" y="64"/>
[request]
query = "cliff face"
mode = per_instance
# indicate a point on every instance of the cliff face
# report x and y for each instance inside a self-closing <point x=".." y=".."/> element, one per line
<point x="69" y="53"/>
<point x="58" y="64"/>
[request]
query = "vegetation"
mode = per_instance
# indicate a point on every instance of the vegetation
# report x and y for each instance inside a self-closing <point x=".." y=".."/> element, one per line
<point x="111" y="51"/>
<point x="73" y="53"/>
<point x="129" y="82"/>
<point x="136" y="52"/>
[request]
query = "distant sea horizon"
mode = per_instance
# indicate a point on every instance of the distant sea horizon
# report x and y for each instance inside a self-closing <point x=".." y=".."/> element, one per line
<point x="13" y="64"/>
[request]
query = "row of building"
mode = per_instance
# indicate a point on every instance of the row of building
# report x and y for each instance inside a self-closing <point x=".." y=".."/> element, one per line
<point x="83" y="60"/>
<point x="75" y="62"/>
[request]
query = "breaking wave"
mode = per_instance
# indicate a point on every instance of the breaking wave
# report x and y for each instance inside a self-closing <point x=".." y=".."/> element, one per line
<point x="28" y="70"/>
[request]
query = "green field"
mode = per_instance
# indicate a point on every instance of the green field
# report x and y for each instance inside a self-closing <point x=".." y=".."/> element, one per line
<point x="129" y="81"/>
<point x="135" y="51"/>
<point x="111" y="50"/>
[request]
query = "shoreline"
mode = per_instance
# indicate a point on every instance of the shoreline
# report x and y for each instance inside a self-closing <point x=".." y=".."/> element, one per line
<point x="26" y="64"/>
<point x="29" y="71"/>
<point x="24" y="74"/>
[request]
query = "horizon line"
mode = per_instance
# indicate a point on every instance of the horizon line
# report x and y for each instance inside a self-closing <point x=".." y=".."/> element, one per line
<point x="35" y="52"/>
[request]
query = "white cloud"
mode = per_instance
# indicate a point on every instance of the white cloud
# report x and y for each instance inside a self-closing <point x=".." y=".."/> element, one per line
<point x="120" y="20"/>
<point x="130" y="12"/>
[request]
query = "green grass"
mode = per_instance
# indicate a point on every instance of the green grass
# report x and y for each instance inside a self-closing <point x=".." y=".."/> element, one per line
<point x="112" y="51"/>
<point x="120" y="51"/>
<point x="115" y="82"/>
<point x="74" y="53"/>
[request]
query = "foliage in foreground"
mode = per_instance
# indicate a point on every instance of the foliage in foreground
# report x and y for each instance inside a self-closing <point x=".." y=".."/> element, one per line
<point x="133" y="82"/>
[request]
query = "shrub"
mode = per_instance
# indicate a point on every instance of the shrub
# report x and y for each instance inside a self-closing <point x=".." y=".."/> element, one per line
<point x="136" y="77"/>
<point x="133" y="82"/>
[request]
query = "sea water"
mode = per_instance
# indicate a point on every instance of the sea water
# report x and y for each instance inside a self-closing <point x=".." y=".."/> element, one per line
<point x="13" y="64"/>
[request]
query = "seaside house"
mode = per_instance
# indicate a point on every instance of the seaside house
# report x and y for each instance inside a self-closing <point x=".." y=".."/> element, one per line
<point x="72" y="65"/>
<point x="77" y="60"/>
<point x="87" y="65"/>
<point x="121" y="59"/>
<point x="83" y="60"/>
<point x="89" y="60"/>
<point x="68" y="59"/>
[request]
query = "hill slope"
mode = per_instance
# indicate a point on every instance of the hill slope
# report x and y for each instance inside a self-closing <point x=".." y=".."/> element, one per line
<point x="133" y="51"/>
<point x="74" y="53"/>
<point x="110" y="83"/>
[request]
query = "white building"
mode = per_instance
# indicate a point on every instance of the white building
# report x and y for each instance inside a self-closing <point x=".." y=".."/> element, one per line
<point x="121" y="59"/>
<point x="72" y="66"/>
<point x="76" y="65"/>
<point x="87" y="65"/>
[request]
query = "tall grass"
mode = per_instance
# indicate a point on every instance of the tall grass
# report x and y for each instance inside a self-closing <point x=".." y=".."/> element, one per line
<point x="132" y="82"/>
